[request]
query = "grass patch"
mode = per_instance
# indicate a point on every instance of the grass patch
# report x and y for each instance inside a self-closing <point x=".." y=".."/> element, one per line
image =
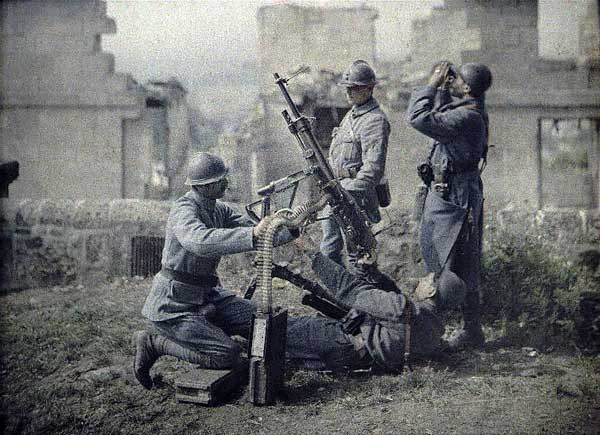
<point x="531" y="292"/>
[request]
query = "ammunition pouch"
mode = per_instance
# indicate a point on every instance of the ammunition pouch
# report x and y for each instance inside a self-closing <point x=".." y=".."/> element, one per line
<point x="425" y="172"/>
<point x="384" y="197"/>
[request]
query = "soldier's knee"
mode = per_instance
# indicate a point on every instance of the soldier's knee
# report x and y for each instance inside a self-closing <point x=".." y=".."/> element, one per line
<point x="228" y="357"/>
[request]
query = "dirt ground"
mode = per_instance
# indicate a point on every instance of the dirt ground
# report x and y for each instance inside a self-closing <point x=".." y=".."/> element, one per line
<point x="65" y="369"/>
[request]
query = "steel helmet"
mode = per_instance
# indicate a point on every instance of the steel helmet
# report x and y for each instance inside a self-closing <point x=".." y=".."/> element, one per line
<point x="359" y="73"/>
<point x="477" y="76"/>
<point x="205" y="168"/>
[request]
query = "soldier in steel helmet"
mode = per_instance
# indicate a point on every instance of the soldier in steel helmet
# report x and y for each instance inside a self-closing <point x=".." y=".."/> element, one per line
<point x="357" y="155"/>
<point x="381" y="329"/>
<point x="450" y="109"/>
<point x="192" y="314"/>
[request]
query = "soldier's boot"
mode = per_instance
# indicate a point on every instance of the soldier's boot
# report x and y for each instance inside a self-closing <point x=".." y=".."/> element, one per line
<point x="471" y="334"/>
<point x="144" y="359"/>
<point x="150" y="347"/>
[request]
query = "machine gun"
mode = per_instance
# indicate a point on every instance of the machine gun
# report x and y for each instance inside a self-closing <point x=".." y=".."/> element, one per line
<point x="268" y="330"/>
<point x="266" y="348"/>
<point x="313" y="295"/>
<point x="344" y="209"/>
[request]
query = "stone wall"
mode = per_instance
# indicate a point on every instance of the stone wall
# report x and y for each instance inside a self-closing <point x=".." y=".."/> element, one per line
<point x="78" y="128"/>
<point x="53" y="242"/>
<point x="502" y="34"/>
<point x="45" y="243"/>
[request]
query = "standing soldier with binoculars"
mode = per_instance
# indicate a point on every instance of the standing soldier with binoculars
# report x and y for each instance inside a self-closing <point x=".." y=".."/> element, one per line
<point x="450" y="109"/>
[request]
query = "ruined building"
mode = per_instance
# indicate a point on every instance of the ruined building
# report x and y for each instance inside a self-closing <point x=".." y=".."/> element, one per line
<point x="589" y="37"/>
<point x="544" y="113"/>
<point x="292" y="36"/>
<point x="77" y="128"/>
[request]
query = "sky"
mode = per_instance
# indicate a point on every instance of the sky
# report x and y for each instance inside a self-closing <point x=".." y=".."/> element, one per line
<point x="211" y="44"/>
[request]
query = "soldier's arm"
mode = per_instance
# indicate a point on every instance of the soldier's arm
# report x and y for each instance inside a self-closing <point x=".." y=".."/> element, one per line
<point x="374" y="137"/>
<point x="233" y="219"/>
<point x="196" y="237"/>
<point x="346" y="289"/>
<point x="421" y="115"/>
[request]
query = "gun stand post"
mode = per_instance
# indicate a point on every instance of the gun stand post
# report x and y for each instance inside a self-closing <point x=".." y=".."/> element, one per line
<point x="267" y="357"/>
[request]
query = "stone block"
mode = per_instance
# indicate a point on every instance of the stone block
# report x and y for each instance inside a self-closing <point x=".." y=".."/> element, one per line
<point x="92" y="214"/>
<point x="593" y="230"/>
<point x="24" y="245"/>
<point x="54" y="231"/>
<point x="43" y="261"/>
<point x="56" y="212"/>
<point x="149" y="214"/>
<point x="25" y="215"/>
<point x="516" y="219"/>
<point x="560" y="225"/>
<point x="97" y="248"/>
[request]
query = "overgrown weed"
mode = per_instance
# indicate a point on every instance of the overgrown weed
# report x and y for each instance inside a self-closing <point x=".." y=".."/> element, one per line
<point x="531" y="291"/>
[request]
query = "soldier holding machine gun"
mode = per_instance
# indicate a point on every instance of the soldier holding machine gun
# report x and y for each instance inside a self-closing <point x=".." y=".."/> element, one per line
<point x="357" y="156"/>
<point x="381" y="329"/>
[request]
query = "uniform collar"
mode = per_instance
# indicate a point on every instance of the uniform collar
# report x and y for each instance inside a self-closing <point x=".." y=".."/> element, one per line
<point x="371" y="104"/>
<point x="469" y="101"/>
<point x="202" y="201"/>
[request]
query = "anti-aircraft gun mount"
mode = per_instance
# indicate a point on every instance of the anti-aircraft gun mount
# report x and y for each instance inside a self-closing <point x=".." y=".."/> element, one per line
<point x="267" y="336"/>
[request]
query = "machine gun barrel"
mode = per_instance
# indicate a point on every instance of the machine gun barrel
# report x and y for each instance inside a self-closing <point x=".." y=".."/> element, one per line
<point x="350" y="218"/>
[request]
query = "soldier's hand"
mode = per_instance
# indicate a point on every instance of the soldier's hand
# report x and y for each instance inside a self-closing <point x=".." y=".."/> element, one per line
<point x="261" y="226"/>
<point x="305" y="243"/>
<point x="439" y="74"/>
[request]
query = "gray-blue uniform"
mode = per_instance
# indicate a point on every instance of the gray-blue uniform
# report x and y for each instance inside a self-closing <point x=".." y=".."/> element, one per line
<point x="187" y="303"/>
<point x="358" y="150"/>
<point x="380" y="328"/>
<point x="451" y="228"/>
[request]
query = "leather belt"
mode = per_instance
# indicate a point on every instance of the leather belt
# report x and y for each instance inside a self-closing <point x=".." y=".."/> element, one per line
<point x="191" y="279"/>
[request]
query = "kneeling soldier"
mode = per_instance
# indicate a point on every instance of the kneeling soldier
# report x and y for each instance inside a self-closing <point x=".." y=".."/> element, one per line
<point x="194" y="314"/>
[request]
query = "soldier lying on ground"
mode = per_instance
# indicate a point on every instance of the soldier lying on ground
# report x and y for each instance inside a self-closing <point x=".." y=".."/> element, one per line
<point x="374" y="332"/>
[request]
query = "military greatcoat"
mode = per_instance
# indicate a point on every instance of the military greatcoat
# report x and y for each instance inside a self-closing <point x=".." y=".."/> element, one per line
<point x="451" y="228"/>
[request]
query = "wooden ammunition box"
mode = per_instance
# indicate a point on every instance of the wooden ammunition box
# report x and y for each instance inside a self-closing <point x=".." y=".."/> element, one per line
<point x="267" y="357"/>
<point x="207" y="387"/>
